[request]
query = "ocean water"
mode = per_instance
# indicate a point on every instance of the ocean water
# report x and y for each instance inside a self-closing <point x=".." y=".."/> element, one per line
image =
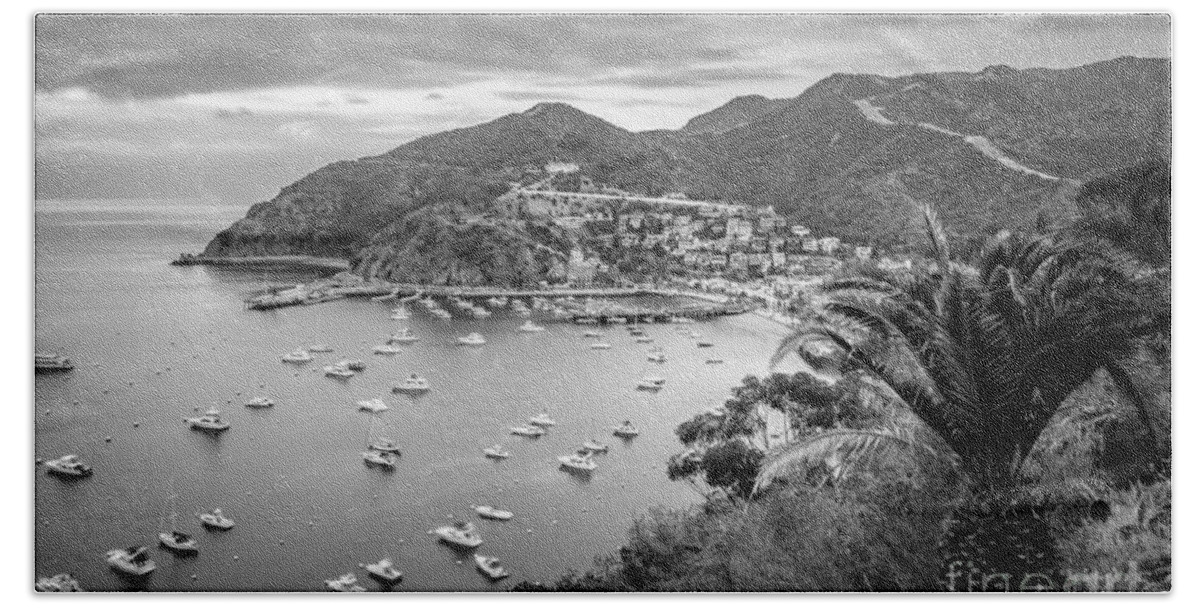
<point x="154" y="344"/>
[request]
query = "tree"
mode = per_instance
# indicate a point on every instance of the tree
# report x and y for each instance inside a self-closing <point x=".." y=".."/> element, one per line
<point x="983" y="355"/>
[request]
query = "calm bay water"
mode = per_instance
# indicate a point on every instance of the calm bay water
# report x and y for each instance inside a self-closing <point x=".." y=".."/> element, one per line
<point x="153" y="343"/>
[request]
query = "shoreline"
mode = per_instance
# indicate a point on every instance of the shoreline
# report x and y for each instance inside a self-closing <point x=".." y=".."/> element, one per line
<point x="264" y="261"/>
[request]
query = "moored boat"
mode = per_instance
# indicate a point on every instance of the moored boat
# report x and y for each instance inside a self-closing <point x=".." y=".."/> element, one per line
<point x="385" y="571"/>
<point x="51" y="362"/>
<point x="297" y="356"/>
<point x="461" y="534"/>
<point x="472" y="339"/>
<point x="386" y="460"/>
<point x="134" y="561"/>
<point x="579" y="462"/>
<point x="68" y="466"/>
<point x="339" y="372"/>
<point x="600" y="346"/>
<point x="384" y="444"/>
<point x="593" y="334"/>
<point x="404" y="337"/>
<point x="178" y="542"/>
<point x="412" y="385"/>
<point x="491" y="567"/>
<point x="210" y="422"/>
<point x="626" y="430"/>
<point x="354" y="365"/>
<point x="345" y="583"/>
<point x="490" y="512"/>
<point x="59" y="583"/>
<point x="260" y="402"/>
<point x="527" y="431"/>
<point x="497" y="451"/>
<point x="657" y="356"/>
<point x="320" y="348"/>
<point x="595" y="446"/>
<point x="530" y="327"/>
<point x="372" y="405"/>
<point x="387" y="349"/>
<point x="543" y="419"/>
<point x="216" y="520"/>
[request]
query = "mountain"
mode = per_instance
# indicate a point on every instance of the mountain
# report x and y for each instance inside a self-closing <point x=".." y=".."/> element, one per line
<point x="998" y="148"/>
<point x="738" y="112"/>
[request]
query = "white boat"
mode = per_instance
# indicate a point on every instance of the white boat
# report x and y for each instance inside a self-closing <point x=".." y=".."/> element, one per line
<point x="404" y="337"/>
<point x="210" y="422"/>
<point x="260" y="402"/>
<point x="490" y="512"/>
<point x="441" y="313"/>
<point x="59" y="583"/>
<point x="339" y="372"/>
<point x="497" y="451"/>
<point x="134" y="561"/>
<point x="490" y="566"/>
<point x="386" y="460"/>
<point x="51" y="362"/>
<point x="579" y="462"/>
<point x="595" y="446"/>
<point x="178" y="542"/>
<point x="401" y="314"/>
<point x="354" y="365"/>
<point x="216" y="520"/>
<point x="682" y="320"/>
<point x="543" y="419"/>
<point x="480" y="313"/>
<point x="714" y="361"/>
<point x="461" y="534"/>
<point x="704" y="343"/>
<point x="412" y="385"/>
<point x="68" y="466"/>
<point x="593" y="334"/>
<point x="518" y="305"/>
<point x="372" y="405"/>
<point x="643" y="339"/>
<point x="385" y="571"/>
<point x="472" y="339"/>
<point x="383" y="444"/>
<point x="527" y="431"/>
<point x="651" y="383"/>
<point x="297" y="356"/>
<point x="320" y="348"/>
<point x="626" y="430"/>
<point x="600" y="346"/>
<point x="530" y="327"/>
<point x="387" y="349"/>
<point x="345" y="583"/>
<point x="657" y="356"/>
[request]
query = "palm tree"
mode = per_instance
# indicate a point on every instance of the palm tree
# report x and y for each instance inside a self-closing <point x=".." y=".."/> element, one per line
<point x="983" y="356"/>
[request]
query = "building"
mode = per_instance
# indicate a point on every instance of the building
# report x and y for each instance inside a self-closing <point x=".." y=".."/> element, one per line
<point x="800" y="231"/>
<point x="862" y="253"/>
<point x="829" y="245"/>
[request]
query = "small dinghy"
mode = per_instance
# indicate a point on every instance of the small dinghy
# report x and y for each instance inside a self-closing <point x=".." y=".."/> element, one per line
<point x="704" y="344"/>
<point x="297" y="356"/>
<point x="490" y="566"/>
<point x="490" y="512"/>
<point x="713" y="361"/>
<point x="345" y="583"/>
<point x="472" y="339"/>
<point x="134" y="561"/>
<point x="178" y="542"/>
<point x="497" y="451"/>
<point x="385" y="571"/>
<point x="412" y="385"/>
<point x="404" y="337"/>
<point x="592" y="334"/>
<point x="651" y="383"/>
<point x="461" y="534"/>
<point x="527" y="431"/>
<point x="59" y="583"/>
<point x="384" y="444"/>
<point x="372" y="405"/>
<point x="260" y="402"/>
<point x="600" y="346"/>
<point x="354" y="365"/>
<point x="68" y="466"/>
<point x="543" y="419"/>
<point x="595" y="446"/>
<point x="387" y="349"/>
<point x="579" y="462"/>
<point x="385" y="460"/>
<point x="643" y="339"/>
<point x="530" y="327"/>
<point x="656" y="356"/>
<point x="320" y="348"/>
<point x="216" y="520"/>
<point x="626" y="430"/>
<point x="400" y="314"/>
<point x="210" y="422"/>
<point x="338" y="372"/>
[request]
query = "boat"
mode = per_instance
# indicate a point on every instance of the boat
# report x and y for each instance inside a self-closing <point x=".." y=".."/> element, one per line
<point x="404" y="337"/>
<point x="400" y="314"/>
<point x="386" y="460"/>
<point x="384" y="571"/>
<point x="461" y="534"/>
<point x="216" y="520"/>
<point x="595" y="446"/>
<point x="618" y="320"/>
<point x="682" y="320"/>
<point x="210" y="422"/>
<point x="178" y="542"/>
<point x="345" y="583"/>
<point x="643" y="339"/>
<point x="657" y="356"/>
<point x="704" y="344"/>
<point x="480" y="313"/>
<point x="260" y="402"/>
<point x="490" y="566"/>
<point x="412" y="385"/>
<point x="472" y="339"/>
<point x="339" y="372"/>
<point x="384" y="444"/>
<point x="372" y="405"/>
<point x="387" y="349"/>
<point x="491" y="512"/>
<point x="320" y="348"/>
<point x="593" y="334"/>
<point x="354" y="365"/>
<point x="579" y="462"/>
<point x="59" y="583"/>
<point x="626" y="430"/>
<point x="600" y="346"/>
<point x="651" y="383"/>
<point x="68" y="466"/>
<point x="497" y="451"/>
<point x="527" y="431"/>
<point x="51" y="362"/>
<point x="530" y="327"/>
<point x="543" y="419"/>
<point x="297" y="356"/>
<point x="518" y="305"/>
<point x="441" y="313"/>
<point x="134" y="561"/>
<point x="713" y="361"/>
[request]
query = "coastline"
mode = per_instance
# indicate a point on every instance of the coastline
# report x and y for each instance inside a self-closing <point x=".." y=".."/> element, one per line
<point x="264" y="261"/>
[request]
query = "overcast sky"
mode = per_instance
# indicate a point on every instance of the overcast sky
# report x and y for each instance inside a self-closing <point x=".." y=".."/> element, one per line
<point x="231" y="108"/>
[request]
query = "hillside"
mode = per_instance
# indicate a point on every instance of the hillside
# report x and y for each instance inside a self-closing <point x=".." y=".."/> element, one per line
<point x="996" y="148"/>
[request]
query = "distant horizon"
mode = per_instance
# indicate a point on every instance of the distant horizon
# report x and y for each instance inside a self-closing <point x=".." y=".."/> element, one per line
<point x="235" y="107"/>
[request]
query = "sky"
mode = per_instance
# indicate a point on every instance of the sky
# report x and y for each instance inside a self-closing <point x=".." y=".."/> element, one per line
<point x="230" y="108"/>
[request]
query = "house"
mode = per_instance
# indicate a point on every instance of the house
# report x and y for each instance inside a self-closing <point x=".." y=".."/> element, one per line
<point x="829" y="245"/>
<point x="811" y="244"/>
<point x="800" y="231"/>
<point x="862" y="253"/>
